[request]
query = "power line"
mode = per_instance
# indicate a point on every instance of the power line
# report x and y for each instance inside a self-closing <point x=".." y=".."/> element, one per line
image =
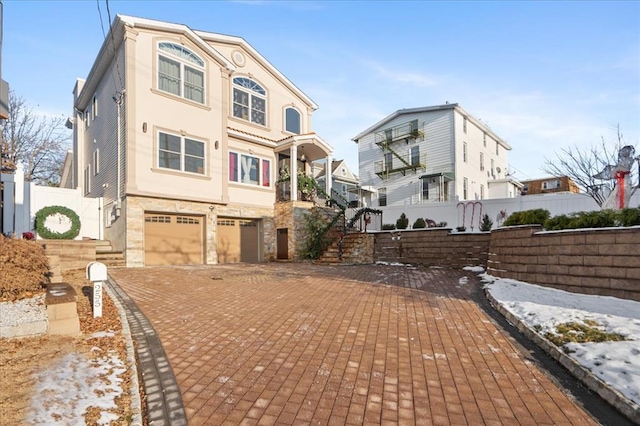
<point x="113" y="44"/>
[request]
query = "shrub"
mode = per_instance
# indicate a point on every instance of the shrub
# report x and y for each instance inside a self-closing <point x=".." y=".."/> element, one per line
<point x="25" y="268"/>
<point x="557" y="223"/>
<point x="461" y="228"/>
<point x="486" y="223"/>
<point x="442" y="224"/>
<point x="317" y="241"/>
<point x="629" y="217"/>
<point x="419" y="223"/>
<point x="388" y="226"/>
<point x="528" y="217"/>
<point x="402" y="222"/>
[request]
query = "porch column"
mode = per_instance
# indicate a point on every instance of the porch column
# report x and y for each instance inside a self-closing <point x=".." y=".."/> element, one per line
<point x="328" y="176"/>
<point x="294" y="173"/>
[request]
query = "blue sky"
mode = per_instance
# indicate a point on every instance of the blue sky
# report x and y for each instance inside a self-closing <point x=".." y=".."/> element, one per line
<point x="543" y="75"/>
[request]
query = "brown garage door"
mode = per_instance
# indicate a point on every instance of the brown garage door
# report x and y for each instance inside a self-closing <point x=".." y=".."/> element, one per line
<point x="171" y="239"/>
<point x="238" y="240"/>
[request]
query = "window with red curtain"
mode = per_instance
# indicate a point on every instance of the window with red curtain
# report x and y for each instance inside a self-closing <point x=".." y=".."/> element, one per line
<point x="233" y="167"/>
<point x="266" y="173"/>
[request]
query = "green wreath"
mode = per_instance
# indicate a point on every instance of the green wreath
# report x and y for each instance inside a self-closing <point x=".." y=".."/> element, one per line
<point x="48" y="234"/>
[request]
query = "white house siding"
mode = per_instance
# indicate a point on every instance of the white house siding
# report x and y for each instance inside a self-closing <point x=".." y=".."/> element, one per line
<point x="471" y="168"/>
<point x="437" y="143"/>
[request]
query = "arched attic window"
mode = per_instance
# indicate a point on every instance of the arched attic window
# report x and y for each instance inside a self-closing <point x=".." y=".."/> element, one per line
<point x="292" y="120"/>
<point x="180" y="72"/>
<point x="249" y="101"/>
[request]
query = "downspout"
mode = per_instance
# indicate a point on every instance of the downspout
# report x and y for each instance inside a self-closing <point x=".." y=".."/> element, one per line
<point x="119" y="99"/>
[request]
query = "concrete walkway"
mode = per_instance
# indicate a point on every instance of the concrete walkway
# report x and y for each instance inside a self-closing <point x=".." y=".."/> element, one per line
<point x="299" y="344"/>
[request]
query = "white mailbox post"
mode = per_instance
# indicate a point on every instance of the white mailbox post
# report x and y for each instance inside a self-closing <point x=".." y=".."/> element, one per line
<point x="97" y="274"/>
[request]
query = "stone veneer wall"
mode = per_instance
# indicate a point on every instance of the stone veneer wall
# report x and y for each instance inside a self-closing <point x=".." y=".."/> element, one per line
<point x="290" y="215"/>
<point x="137" y="206"/>
<point x="69" y="254"/>
<point x="432" y="247"/>
<point x="359" y="248"/>
<point x="595" y="261"/>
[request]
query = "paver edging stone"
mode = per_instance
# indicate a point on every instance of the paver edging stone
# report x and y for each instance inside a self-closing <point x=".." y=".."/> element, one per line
<point x="606" y="392"/>
<point x="134" y="388"/>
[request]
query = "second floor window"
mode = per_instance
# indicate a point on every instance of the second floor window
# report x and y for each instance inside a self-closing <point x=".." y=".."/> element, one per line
<point x="464" y="152"/>
<point x="388" y="161"/>
<point x="249" y="101"/>
<point x="249" y="169"/>
<point x="292" y="121"/>
<point x="180" y="72"/>
<point x="481" y="161"/>
<point x="180" y="153"/>
<point x="465" y="188"/>
<point x="415" y="155"/>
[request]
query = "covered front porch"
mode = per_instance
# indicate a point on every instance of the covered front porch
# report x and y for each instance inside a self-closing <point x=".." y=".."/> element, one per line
<point x="295" y="155"/>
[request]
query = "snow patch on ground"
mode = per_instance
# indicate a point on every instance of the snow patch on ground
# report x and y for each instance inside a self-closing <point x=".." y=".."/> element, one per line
<point x="65" y="391"/>
<point x="474" y="268"/>
<point x="542" y="308"/>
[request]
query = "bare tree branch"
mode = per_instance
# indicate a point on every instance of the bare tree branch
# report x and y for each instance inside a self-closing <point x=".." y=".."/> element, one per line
<point x="39" y="143"/>
<point x="581" y="165"/>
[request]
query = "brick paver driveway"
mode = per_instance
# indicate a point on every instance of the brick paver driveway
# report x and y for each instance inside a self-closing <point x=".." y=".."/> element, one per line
<point x="299" y="344"/>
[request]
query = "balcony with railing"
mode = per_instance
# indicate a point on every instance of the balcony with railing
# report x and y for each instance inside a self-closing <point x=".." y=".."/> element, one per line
<point x="400" y="164"/>
<point x="403" y="131"/>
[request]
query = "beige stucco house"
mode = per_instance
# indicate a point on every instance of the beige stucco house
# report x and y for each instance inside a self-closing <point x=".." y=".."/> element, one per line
<point x="183" y="133"/>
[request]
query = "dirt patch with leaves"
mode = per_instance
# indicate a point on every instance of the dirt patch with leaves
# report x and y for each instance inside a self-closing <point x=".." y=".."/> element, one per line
<point x="585" y="332"/>
<point x="27" y="363"/>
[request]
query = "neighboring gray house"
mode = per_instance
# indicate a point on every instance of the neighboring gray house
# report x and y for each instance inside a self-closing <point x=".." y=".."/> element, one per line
<point x="343" y="180"/>
<point x="433" y="154"/>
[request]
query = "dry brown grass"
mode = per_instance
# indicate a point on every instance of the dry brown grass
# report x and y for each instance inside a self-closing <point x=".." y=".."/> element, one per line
<point x="25" y="269"/>
<point x="22" y="359"/>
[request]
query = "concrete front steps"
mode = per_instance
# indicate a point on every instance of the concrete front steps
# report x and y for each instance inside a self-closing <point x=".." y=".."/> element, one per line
<point x="357" y="248"/>
<point x="105" y="254"/>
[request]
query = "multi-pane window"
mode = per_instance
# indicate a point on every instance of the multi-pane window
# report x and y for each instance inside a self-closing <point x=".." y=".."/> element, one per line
<point x="292" y="120"/>
<point x="180" y="72"/>
<point x="464" y="124"/>
<point x="180" y="153"/>
<point x="481" y="191"/>
<point x="425" y="189"/>
<point x="465" y="188"/>
<point x="481" y="161"/>
<point x="484" y="139"/>
<point x="249" y="169"/>
<point x="388" y="161"/>
<point x="382" y="197"/>
<point x="464" y="152"/>
<point x="415" y="155"/>
<point x="497" y="148"/>
<point x="249" y="101"/>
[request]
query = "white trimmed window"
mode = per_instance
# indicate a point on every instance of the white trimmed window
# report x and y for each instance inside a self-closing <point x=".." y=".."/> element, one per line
<point x="382" y="197"/>
<point x="180" y="72"/>
<point x="249" y="169"/>
<point x="87" y="180"/>
<point x="482" y="161"/>
<point x="181" y="153"/>
<point x="465" y="188"/>
<point x="292" y="120"/>
<point x="96" y="162"/>
<point x="249" y="101"/>
<point x="464" y="152"/>
<point x="94" y="107"/>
